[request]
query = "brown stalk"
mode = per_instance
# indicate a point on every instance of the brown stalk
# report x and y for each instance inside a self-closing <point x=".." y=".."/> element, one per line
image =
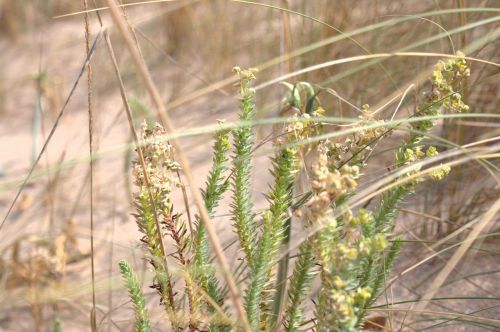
<point x="287" y="35"/>
<point x="93" y="321"/>
<point x="178" y="235"/>
<point x="186" y="202"/>
<point x="165" y="119"/>
<point x="440" y="314"/>
<point x="136" y="41"/>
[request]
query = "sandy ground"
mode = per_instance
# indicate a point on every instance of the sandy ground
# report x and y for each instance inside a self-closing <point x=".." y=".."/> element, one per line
<point x="57" y="199"/>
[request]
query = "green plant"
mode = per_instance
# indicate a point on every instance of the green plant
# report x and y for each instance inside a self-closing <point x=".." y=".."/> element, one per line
<point x="141" y="314"/>
<point x="351" y="249"/>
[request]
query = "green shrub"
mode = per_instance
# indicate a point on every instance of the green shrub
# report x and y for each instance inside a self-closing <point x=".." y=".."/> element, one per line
<point x="350" y="250"/>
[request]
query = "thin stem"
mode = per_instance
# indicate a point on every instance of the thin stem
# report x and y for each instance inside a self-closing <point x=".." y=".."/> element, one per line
<point x="91" y="165"/>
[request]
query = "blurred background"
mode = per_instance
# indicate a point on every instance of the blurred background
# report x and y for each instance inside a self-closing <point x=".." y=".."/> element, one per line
<point x="190" y="47"/>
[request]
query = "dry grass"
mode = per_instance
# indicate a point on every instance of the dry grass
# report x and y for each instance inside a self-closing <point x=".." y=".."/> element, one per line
<point x="189" y="48"/>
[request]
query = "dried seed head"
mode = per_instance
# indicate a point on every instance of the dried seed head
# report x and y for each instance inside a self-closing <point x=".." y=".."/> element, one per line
<point x="160" y="165"/>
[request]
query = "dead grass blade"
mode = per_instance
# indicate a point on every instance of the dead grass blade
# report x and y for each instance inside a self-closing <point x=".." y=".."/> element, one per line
<point x="457" y="256"/>
<point x="93" y="321"/>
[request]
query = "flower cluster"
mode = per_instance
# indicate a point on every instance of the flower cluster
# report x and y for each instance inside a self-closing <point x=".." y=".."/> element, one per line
<point x="446" y="80"/>
<point x="300" y="127"/>
<point x="370" y="130"/>
<point x="160" y="165"/>
<point x="246" y="76"/>
<point x="440" y="172"/>
<point x="409" y="156"/>
<point x="340" y="246"/>
<point x="357" y="146"/>
<point x="328" y="184"/>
